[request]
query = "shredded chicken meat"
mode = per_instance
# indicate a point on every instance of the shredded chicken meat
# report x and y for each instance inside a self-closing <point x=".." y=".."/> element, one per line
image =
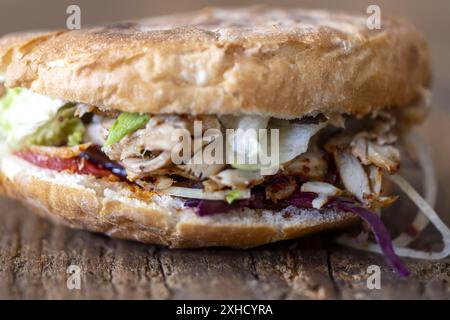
<point x="360" y="155"/>
<point x="149" y="149"/>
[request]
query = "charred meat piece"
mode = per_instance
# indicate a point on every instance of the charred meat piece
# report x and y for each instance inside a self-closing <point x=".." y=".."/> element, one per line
<point x="281" y="188"/>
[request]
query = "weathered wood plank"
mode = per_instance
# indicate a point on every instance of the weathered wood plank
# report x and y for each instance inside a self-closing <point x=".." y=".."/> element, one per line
<point x="34" y="256"/>
<point x="428" y="280"/>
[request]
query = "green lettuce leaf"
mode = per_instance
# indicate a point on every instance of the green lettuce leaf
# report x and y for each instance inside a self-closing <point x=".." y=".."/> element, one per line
<point x="232" y="195"/>
<point x="125" y="124"/>
<point x="63" y="129"/>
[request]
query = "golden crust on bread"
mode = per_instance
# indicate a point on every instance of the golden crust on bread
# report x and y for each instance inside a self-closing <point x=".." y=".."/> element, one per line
<point x="257" y="60"/>
<point x="110" y="208"/>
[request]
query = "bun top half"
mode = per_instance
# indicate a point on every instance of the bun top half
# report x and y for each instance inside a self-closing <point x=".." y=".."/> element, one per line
<point x="265" y="61"/>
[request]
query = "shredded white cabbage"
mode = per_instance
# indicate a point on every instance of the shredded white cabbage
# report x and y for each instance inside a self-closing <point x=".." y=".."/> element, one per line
<point x="419" y="150"/>
<point x="293" y="139"/>
<point x="426" y="213"/>
<point x="200" y="194"/>
<point x="244" y="141"/>
<point x="402" y="251"/>
<point x="22" y="112"/>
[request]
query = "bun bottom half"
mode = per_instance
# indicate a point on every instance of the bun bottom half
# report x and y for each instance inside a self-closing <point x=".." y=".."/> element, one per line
<point x="114" y="209"/>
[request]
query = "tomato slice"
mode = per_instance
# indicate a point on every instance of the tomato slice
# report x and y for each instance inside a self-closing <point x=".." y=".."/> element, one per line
<point x="74" y="165"/>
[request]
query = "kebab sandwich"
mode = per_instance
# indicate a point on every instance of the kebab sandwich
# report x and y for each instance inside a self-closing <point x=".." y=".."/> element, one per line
<point x="87" y="120"/>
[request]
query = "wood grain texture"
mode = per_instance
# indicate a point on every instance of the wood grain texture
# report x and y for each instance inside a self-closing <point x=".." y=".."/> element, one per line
<point x="35" y="254"/>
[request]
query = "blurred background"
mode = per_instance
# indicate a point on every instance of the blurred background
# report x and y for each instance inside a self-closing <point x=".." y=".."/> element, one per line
<point x="431" y="17"/>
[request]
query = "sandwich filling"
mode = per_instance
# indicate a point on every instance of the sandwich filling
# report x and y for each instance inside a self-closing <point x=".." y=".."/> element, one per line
<point x="323" y="161"/>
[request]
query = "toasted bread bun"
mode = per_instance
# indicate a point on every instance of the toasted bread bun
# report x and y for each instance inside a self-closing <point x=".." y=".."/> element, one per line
<point x="257" y="60"/>
<point x="112" y="208"/>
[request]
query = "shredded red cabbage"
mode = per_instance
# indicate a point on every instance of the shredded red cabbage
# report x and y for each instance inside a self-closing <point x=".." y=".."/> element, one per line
<point x="211" y="207"/>
<point x="304" y="200"/>
<point x="378" y="229"/>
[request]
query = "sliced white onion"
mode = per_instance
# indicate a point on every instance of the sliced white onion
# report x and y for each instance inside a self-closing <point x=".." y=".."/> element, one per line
<point x="320" y="201"/>
<point x="237" y="178"/>
<point x="324" y="191"/>
<point x="200" y="194"/>
<point x="320" y="188"/>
